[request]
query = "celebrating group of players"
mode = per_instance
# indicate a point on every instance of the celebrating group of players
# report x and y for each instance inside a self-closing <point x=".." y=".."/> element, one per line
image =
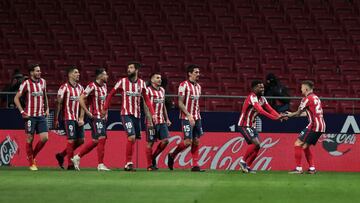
<point x="74" y="102"/>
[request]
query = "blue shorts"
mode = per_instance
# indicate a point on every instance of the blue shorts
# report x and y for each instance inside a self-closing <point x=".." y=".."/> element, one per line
<point x="132" y="126"/>
<point x="36" y="125"/>
<point x="73" y="130"/>
<point x="98" y="128"/>
<point x="249" y="133"/>
<point x="310" y="137"/>
<point x="191" y="132"/>
<point x="158" y="132"/>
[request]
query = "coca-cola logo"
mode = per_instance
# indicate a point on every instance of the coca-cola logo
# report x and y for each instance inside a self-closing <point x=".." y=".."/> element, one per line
<point x="341" y="143"/>
<point x="338" y="144"/>
<point x="8" y="148"/>
<point x="226" y="156"/>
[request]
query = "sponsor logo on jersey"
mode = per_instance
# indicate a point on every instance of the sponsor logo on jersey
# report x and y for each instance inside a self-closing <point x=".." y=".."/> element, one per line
<point x="37" y="94"/>
<point x="159" y="101"/>
<point x="74" y="98"/>
<point x="133" y="94"/>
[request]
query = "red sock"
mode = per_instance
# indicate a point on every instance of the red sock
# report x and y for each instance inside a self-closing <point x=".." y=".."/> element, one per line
<point x="178" y="149"/>
<point x="77" y="144"/>
<point x="249" y="151"/>
<point x="29" y="153"/>
<point x="90" y="146"/>
<point x="298" y="153"/>
<point x="195" y="154"/>
<point x="161" y="146"/>
<point x="253" y="156"/>
<point x="129" y="150"/>
<point x="309" y="157"/>
<point x="101" y="150"/>
<point x="148" y="156"/>
<point x="70" y="152"/>
<point x="63" y="152"/>
<point x="39" y="145"/>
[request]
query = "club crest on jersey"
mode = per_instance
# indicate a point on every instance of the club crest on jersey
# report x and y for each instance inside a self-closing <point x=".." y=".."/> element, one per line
<point x="194" y="97"/>
<point x="37" y="94"/>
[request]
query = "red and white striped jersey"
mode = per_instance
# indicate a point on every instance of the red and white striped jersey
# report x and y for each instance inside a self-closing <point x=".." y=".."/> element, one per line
<point x="249" y="112"/>
<point x="157" y="98"/>
<point x="191" y="93"/>
<point x="131" y="95"/>
<point x="35" y="96"/>
<point x="96" y="97"/>
<point x="70" y="96"/>
<point x="311" y="104"/>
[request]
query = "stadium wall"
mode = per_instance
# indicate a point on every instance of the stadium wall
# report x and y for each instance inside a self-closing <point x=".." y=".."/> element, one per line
<point x="219" y="150"/>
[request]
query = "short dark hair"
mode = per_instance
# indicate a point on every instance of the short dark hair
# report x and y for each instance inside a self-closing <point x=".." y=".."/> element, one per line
<point x="190" y="68"/>
<point x="254" y="83"/>
<point x="32" y="67"/>
<point x="309" y="83"/>
<point x="135" y="63"/>
<point x="154" y="73"/>
<point x="99" y="71"/>
<point x="71" y="69"/>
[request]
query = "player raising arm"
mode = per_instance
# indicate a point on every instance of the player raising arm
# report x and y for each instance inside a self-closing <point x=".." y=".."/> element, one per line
<point x="310" y="106"/>
<point x="132" y="89"/>
<point x="255" y="104"/>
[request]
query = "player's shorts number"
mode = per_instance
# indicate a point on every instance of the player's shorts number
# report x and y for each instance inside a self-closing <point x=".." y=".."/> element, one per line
<point x="29" y="125"/>
<point x="71" y="129"/>
<point x="187" y="128"/>
<point x="152" y="132"/>
<point x="128" y="125"/>
<point x="99" y="125"/>
<point x="251" y="132"/>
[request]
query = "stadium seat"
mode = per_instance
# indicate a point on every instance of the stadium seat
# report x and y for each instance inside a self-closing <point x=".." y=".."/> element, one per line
<point x="247" y="38"/>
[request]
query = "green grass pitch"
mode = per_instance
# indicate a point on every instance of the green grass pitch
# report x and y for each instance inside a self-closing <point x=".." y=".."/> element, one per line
<point x="54" y="185"/>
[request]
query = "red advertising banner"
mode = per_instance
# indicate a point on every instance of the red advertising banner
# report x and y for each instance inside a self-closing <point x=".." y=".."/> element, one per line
<point x="223" y="151"/>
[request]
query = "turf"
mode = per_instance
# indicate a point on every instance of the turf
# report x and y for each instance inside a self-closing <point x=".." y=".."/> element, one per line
<point x="54" y="185"/>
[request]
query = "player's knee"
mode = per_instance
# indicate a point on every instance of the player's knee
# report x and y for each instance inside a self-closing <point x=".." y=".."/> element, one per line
<point x="44" y="139"/>
<point x="131" y="138"/>
<point x="80" y="142"/>
<point x="95" y="141"/>
<point x="187" y="143"/>
<point x="29" y="139"/>
<point x="298" y="143"/>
